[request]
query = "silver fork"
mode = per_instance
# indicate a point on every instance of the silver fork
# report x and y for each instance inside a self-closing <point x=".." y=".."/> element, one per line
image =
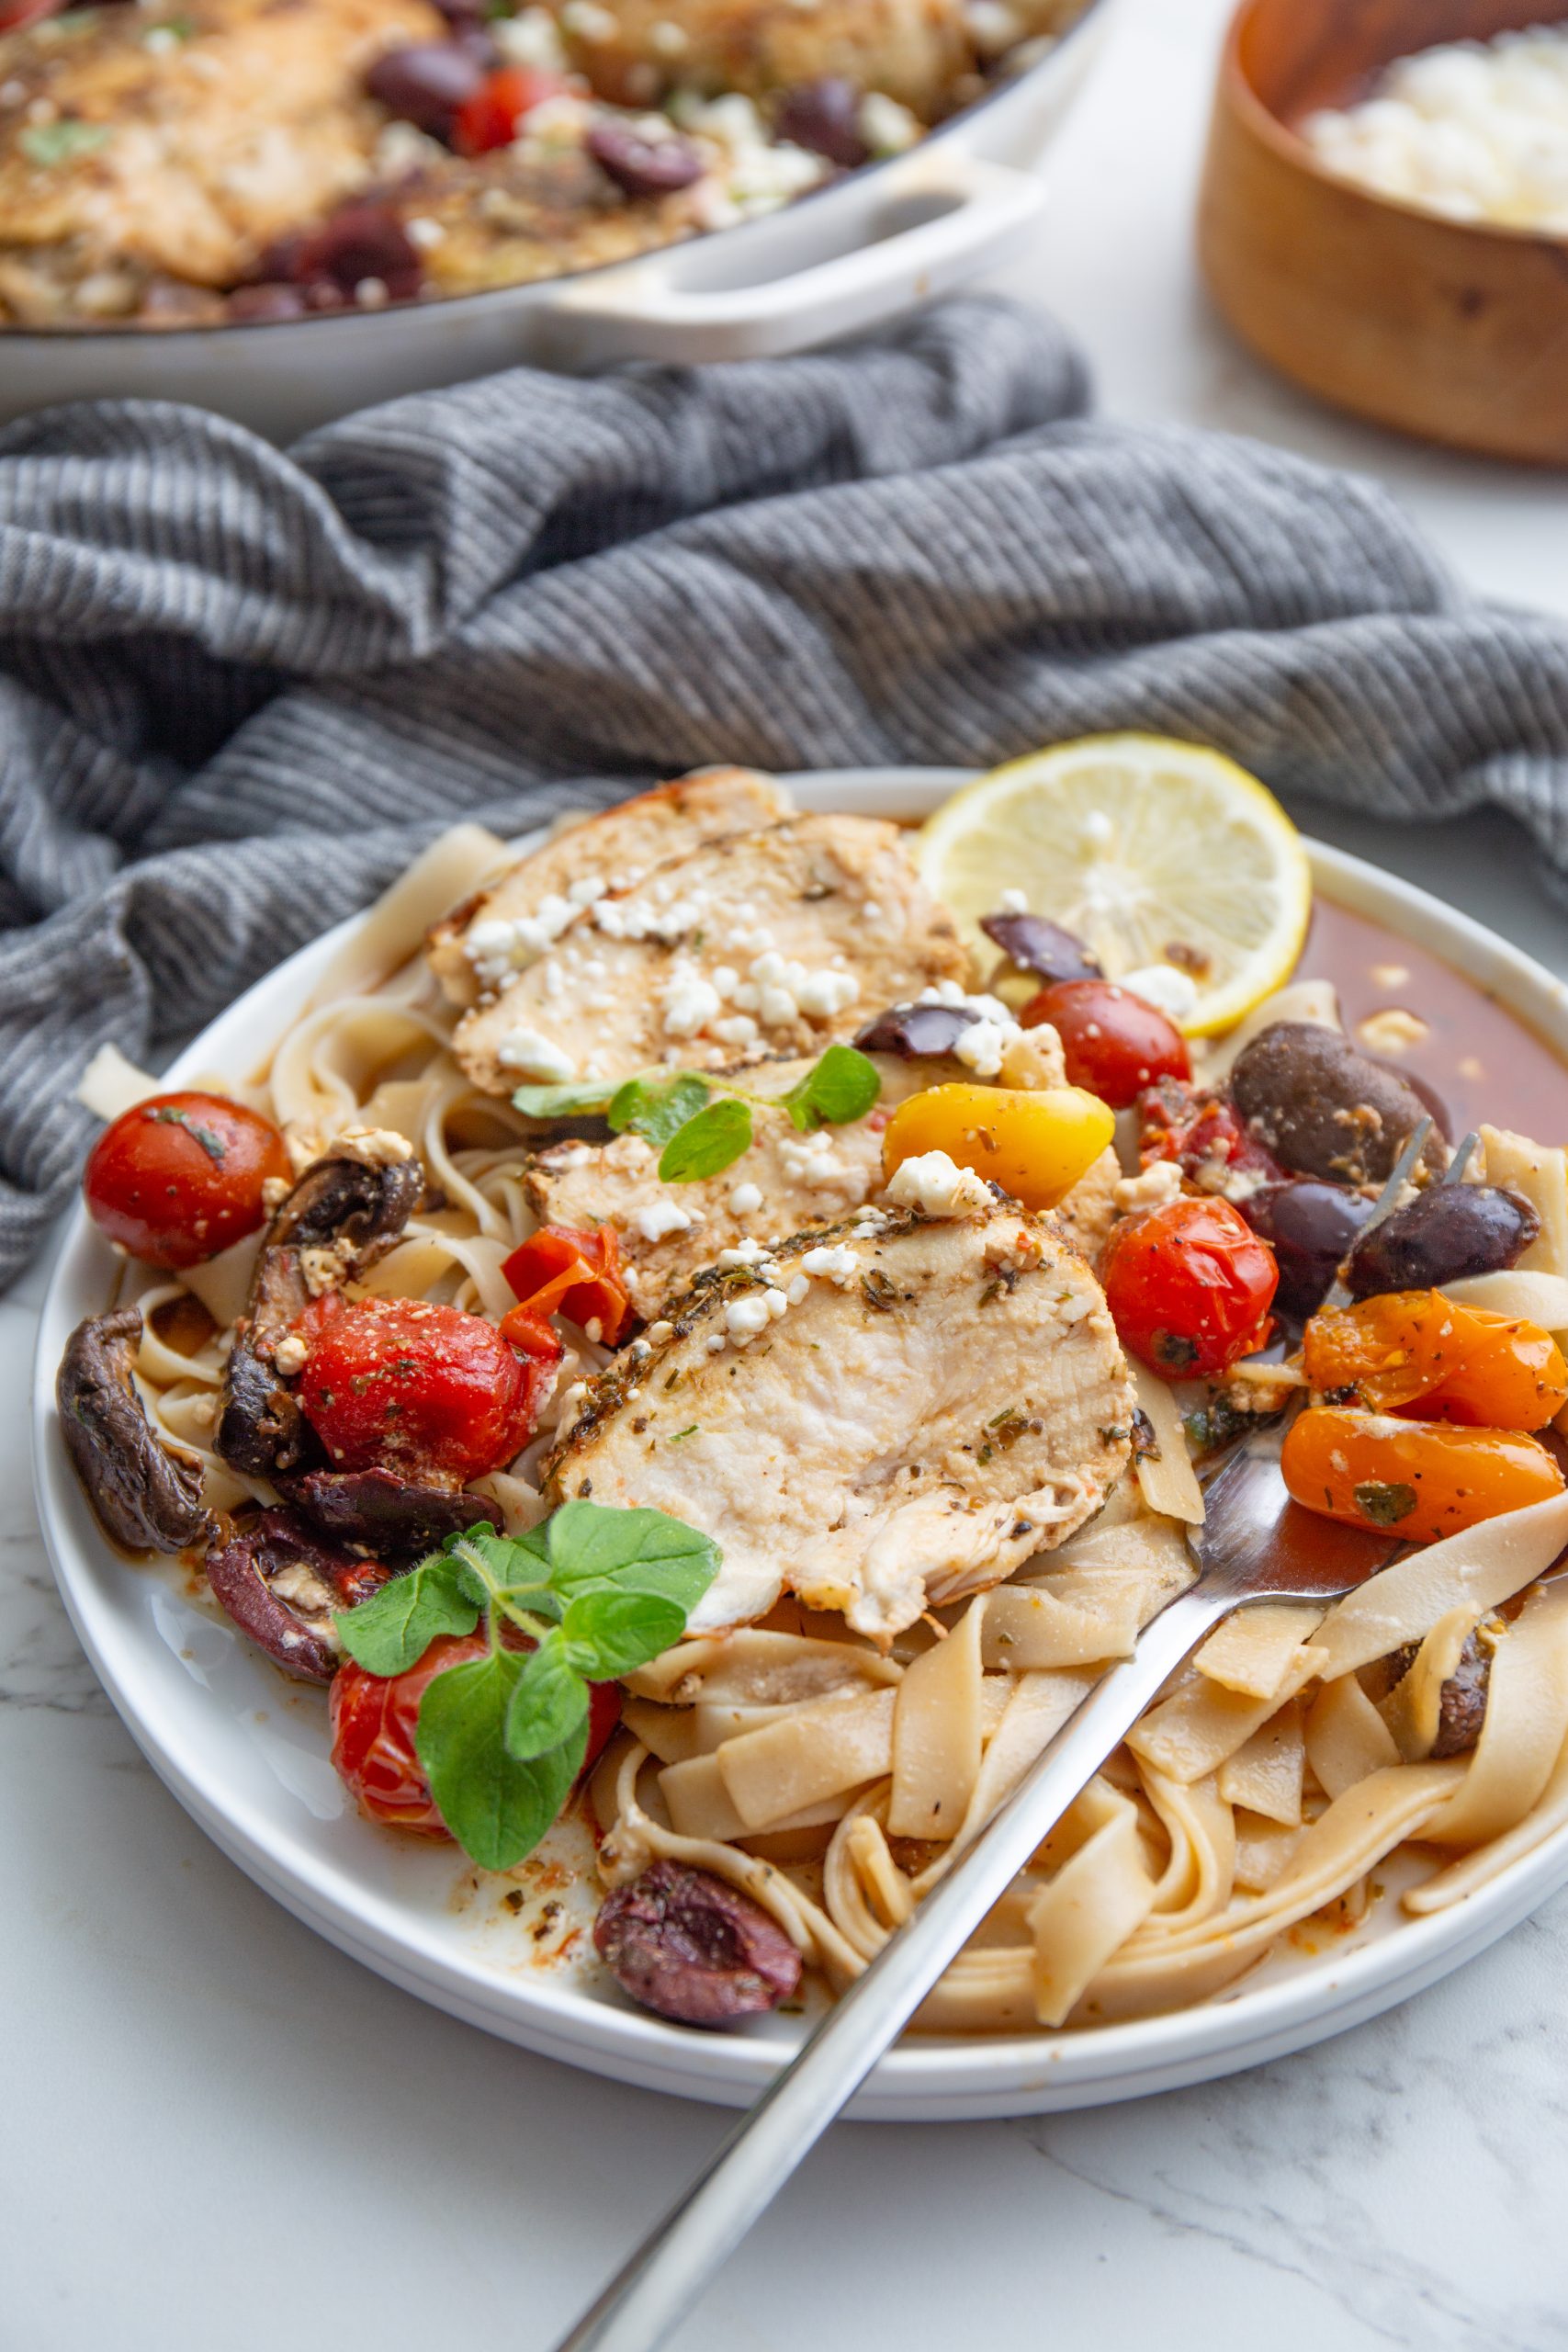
<point x="1256" y="1544"/>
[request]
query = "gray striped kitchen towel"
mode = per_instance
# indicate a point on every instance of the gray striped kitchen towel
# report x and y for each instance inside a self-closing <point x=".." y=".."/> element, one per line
<point x="239" y="688"/>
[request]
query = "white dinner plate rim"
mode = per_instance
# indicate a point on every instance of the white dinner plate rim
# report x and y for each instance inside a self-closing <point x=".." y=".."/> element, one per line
<point x="921" y="2078"/>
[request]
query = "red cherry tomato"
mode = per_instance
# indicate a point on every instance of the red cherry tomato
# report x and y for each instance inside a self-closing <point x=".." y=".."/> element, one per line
<point x="504" y="100"/>
<point x="374" y="1717"/>
<point x="15" y="14"/>
<point x="179" y="1178"/>
<point x="564" y="1270"/>
<point x="1189" y="1287"/>
<point x="1115" y="1044"/>
<point x="397" y="1384"/>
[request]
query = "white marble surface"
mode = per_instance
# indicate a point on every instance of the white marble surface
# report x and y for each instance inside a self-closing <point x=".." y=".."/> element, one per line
<point x="221" y="2134"/>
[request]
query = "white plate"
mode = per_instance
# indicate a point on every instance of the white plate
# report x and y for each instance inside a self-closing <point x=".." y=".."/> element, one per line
<point x="245" y="1752"/>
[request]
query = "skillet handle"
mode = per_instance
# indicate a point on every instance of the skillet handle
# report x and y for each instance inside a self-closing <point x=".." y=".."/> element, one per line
<point x="940" y="223"/>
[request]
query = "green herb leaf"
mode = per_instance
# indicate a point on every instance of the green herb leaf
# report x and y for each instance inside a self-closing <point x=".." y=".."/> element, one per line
<point x="169" y="1115"/>
<point x="497" y="1806"/>
<point x="549" y="1703"/>
<point x="611" y="1634"/>
<point x="562" y="1101"/>
<point x="842" y="1086"/>
<point x="658" y="1110"/>
<point x="597" y="1549"/>
<point x="61" y="142"/>
<point x="706" y="1144"/>
<point x="1386" y="1504"/>
<point x="392" y="1630"/>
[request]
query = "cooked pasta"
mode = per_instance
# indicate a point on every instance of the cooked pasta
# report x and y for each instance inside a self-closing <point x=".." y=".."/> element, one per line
<point x="833" y="1776"/>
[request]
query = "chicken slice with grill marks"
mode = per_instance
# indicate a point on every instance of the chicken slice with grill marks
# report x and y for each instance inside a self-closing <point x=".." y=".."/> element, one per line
<point x="614" y="849"/>
<point x="877" y="1420"/>
<point x="756" y="942"/>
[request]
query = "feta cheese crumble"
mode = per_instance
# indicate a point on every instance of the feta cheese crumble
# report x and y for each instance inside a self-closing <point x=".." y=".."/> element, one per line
<point x="1166" y="987"/>
<point x="531" y="1055"/>
<point x="937" y="1186"/>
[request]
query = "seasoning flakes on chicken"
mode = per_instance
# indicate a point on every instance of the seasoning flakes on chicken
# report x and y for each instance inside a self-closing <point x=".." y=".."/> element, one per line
<point x="880" y="1416"/>
<point x="773" y="942"/>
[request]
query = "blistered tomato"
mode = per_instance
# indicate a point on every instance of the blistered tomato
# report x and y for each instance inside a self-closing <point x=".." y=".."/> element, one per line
<point x="1034" y="1145"/>
<point x="397" y="1384"/>
<point x="1458" y="1363"/>
<point x="571" y="1271"/>
<point x="1115" y="1044"/>
<point x="180" y="1177"/>
<point x="1189" y="1287"/>
<point x="1421" y="1480"/>
<point x="373" y="1718"/>
<point x="502" y="103"/>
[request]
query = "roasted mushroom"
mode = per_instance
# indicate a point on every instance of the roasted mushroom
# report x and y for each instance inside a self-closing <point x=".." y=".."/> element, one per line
<point x="146" y="1497"/>
<point x="387" y="1513"/>
<point x="283" y="1586"/>
<point x="344" y="1212"/>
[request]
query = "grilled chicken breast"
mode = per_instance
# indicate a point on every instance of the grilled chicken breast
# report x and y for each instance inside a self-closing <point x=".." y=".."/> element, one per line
<point x="613" y="849"/>
<point x="879" y="1416"/>
<point x="756" y="942"/>
<point x="787" y="1181"/>
<point x="145" y="143"/>
<point x="784" y="1182"/>
<point x="910" y="50"/>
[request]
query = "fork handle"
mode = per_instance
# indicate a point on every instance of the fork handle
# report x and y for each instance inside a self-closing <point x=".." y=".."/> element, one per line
<point x="679" y="2259"/>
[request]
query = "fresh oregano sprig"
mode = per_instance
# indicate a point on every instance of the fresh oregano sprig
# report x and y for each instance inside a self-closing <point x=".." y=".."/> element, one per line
<point x="702" y="1125"/>
<point x="596" y="1591"/>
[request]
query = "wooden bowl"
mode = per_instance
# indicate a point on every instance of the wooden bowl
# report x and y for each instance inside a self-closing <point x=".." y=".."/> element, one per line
<point x="1454" y="333"/>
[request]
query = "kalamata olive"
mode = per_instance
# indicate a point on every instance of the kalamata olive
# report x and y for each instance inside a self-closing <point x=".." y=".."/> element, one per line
<point x="1035" y="945"/>
<point x="825" y="116"/>
<point x="1461" y="1703"/>
<point x="687" y="1944"/>
<point x="363" y="241"/>
<point x="282" y="1585"/>
<point x="425" y="81"/>
<point x="1325" y="1110"/>
<point x="252" y="304"/>
<point x="1445" y="1233"/>
<point x="916" y="1032"/>
<point x="1309" y="1227"/>
<point x="643" y="167"/>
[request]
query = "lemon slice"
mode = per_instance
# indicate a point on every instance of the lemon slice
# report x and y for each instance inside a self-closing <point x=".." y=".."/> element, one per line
<point x="1152" y="851"/>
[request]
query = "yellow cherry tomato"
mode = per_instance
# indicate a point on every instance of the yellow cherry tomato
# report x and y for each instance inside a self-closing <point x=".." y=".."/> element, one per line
<point x="1034" y="1145"/>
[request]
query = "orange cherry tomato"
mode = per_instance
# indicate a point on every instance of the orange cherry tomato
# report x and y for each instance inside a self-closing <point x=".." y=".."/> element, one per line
<point x="566" y="1269"/>
<point x="372" y="1722"/>
<point x="1418" y="1480"/>
<point x="180" y="1177"/>
<point x="1188" y="1286"/>
<point x="1459" y="1363"/>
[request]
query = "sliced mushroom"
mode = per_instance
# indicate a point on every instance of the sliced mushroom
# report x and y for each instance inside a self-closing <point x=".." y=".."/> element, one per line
<point x="387" y="1513"/>
<point x="344" y="1213"/>
<point x="146" y="1497"/>
<point x="283" y="1586"/>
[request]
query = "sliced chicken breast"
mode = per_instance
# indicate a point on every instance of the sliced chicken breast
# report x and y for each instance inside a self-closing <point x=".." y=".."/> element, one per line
<point x="880" y="1415"/>
<point x="784" y="1182"/>
<point x="138" y="145"/>
<point x="508" y="925"/>
<point x="913" y="50"/>
<point x="774" y="941"/>
<point x="787" y="1181"/>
